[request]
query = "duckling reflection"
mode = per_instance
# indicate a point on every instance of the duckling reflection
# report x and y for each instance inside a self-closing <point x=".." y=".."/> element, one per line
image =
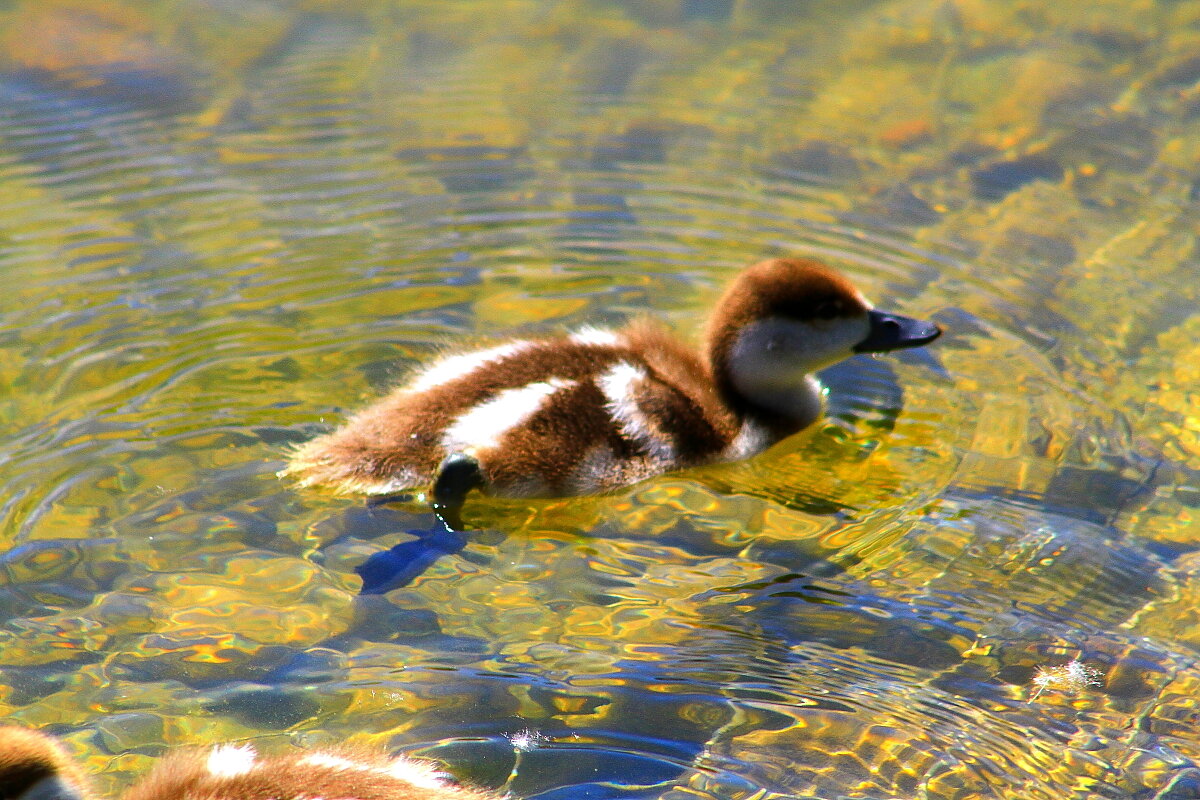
<point x="34" y="766"/>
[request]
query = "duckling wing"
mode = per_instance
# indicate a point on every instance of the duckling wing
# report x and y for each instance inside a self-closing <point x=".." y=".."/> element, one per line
<point x="594" y="430"/>
<point x="465" y="402"/>
<point x="542" y="418"/>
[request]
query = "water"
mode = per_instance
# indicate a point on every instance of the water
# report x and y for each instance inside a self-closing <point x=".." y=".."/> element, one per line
<point x="225" y="225"/>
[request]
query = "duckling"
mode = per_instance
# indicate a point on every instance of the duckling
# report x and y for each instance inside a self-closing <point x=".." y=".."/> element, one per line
<point x="34" y="766"/>
<point x="600" y="409"/>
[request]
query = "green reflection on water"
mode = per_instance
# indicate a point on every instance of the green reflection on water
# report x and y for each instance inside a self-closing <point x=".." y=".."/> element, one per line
<point x="224" y="225"/>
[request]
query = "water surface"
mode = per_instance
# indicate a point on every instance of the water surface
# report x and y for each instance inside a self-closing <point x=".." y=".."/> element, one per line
<point x="224" y="225"/>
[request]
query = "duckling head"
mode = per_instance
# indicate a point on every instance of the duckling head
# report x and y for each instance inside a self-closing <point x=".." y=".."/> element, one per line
<point x="782" y="320"/>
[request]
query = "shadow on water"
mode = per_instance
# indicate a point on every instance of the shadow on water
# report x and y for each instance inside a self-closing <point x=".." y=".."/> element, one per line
<point x="400" y="565"/>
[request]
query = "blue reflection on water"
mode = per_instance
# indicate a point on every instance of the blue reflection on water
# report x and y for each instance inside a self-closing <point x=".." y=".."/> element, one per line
<point x="397" y="567"/>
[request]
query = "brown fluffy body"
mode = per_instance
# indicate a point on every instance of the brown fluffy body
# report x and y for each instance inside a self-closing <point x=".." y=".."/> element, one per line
<point x="687" y="410"/>
<point x="34" y="765"/>
<point x="401" y="435"/>
<point x="30" y="759"/>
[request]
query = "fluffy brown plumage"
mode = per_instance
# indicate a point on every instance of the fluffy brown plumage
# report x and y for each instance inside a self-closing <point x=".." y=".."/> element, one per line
<point x="34" y="766"/>
<point x="598" y="409"/>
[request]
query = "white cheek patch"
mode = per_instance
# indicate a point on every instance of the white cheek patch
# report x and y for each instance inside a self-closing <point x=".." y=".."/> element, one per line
<point x="780" y="351"/>
<point x="230" y="761"/>
<point x="596" y="337"/>
<point x="772" y="361"/>
<point x="619" y="386"/>
<point x="486" y="424"/>
<point x="452" y="368"/>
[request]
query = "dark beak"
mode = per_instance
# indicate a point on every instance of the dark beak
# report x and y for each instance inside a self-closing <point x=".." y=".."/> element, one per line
<point x="895" y="332"/>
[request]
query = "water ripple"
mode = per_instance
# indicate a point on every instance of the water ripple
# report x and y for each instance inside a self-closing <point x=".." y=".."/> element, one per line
<point x="205" y="273"/>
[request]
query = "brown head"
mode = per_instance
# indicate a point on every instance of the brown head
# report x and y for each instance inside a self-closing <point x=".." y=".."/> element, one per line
<point x="785" y="318"/>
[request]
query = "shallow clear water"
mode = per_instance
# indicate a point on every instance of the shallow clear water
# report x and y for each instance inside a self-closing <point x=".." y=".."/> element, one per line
<point x="223" y="225"/>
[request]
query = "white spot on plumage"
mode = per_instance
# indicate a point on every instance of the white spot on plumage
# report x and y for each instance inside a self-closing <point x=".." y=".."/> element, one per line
<point x="417" y="773"/>
<point x="599" y="337"/>
<point x="231" y="760"/>
<point x="333" y="761"/>
<point x="401" y="768"/>
<point x="454" y="367"/>
<point x="751" y="438"/>
<point x="483" y="426"/>
<point x="619" y="386"/>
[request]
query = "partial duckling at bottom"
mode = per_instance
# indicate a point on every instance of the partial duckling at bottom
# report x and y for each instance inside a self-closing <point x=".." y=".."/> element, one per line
<point x="600" y="409"/>
<point x="34" y="766"/>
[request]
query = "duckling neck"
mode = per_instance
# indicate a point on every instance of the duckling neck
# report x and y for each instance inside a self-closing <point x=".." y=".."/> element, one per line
<point x="784" y="408"/>
<point x="765" y="374"/>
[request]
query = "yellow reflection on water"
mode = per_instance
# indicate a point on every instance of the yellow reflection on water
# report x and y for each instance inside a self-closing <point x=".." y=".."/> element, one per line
<point x="224" y="226"/>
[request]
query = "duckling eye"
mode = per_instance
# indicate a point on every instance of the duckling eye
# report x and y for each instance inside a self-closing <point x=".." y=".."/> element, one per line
<point x="828" y="309"/>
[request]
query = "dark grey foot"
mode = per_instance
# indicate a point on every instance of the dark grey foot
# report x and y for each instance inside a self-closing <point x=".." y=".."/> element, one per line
<point x="458" y="475"/>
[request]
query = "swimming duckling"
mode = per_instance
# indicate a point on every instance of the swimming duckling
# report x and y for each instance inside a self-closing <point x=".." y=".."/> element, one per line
<point x="600" y="409"/>
<point x="34" y="766"/>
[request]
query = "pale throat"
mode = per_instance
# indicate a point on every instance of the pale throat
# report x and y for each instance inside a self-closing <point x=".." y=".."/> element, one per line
<point x="801" y="402"/>
<point x="772" y="361"/>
